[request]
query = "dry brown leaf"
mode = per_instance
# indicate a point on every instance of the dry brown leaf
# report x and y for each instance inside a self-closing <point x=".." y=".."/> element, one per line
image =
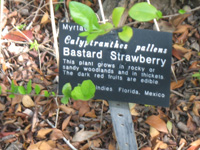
<point x="2" y="107"/>
<point x="178" y="84"/>
<point x="52" y="143"/>
<point x="33" y="147"/>
<point x="188" y="55"/>
<point x="183" y="28"/>
<point x="192" y="97"/>
<point x="132" y="109"/>
<point x="66" y="122"/>
<point x="194" y="145"/>
<point x="43" y="145"/>
<point x="157" y="123"/>
<point x="83" y="135"/>
<point x="195" y="65"/>
<point x="16" y="100"/>
<point x="19" y="35"/>
<point x="27" y="101"/>
<point x="182" y="141"/>
<point x="45" y="18"/>
<point x="56" y="134"/>
<point x="82" y="106"/>
<point x="154" y="133"/>
<point x="181" y="48"/>
<point x="176" y="21"/>
<point x="95" y="143"/>
<point x="190" y="124"/>
<point x="112" y="145"/>
<point x="177" y="54"/>
<point x="91" y="114"/>
<point x="3" y="89"/>
<point x="182" y="38"/>
<point x="43" y="132"/>
<point x="196" y="108"/>
<point x="67" y="110"/>
<point x="160" y="145"/>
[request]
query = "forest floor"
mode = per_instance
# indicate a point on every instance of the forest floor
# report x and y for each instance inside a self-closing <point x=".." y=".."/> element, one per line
<point x="43" y="123"/>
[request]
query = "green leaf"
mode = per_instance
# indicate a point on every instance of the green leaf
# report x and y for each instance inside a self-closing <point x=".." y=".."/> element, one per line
<point x="11" y="95"/>
<point x="14" y="88"/>
<point x="0" y="90"/>
<point x="196" y="75"/>
<point x="91" y="37"/>
<point x="53" y="93"/>
<point x="169" y="126"/>
<point x="86" y="33"/>
<point x="181" y="11"/>
<point x="143" y="12"/>
<point x="66" y="90"/>
<point x="83" y="15"/>
<point x="159" y="14"/>
<point x="37" y="89"/>
<point x="22" y="90"/>
<point x="116" y="15"/>
<point x="20" y="27"/>
<point x="126" y="34"/>
<point x="65" y="100"/>
<point x="46" y="93"/>
<point x="88" y="89"/>
<point x="85" y="91"/>
<point x="29" y="87"/>
<point x="105" y="28"/>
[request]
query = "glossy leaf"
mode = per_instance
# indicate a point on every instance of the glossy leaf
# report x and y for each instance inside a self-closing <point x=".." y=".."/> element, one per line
<point x="29" y="87"/>
<point x="86" y="33"/>
<point x="37" y="89"/>
<point x="66" y="90"/>
<point x="83" y="15"/>
<point x="126" y="34"/>
<point x="85" y="91"/>
<point x="22" y="90"/>
<point x="46" y="93"/>
<point x="116" y="15"/>
<point x="143" y="12"/>
<point x="65" y="99"/>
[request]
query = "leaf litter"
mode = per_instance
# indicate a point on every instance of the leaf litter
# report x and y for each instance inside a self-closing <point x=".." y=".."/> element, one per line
<point x="31" y="122"/>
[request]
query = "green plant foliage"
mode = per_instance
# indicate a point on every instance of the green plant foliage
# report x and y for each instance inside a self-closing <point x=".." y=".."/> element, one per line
<point x="159" y="14"/>
<point x="29" y="87"/>
<point x="53" y="93"/>
<point x="66" y="90"/>
<point x="11" y="95"/>
<point x="37" y="89"/>
<point x="58" y="5"/>
<point x="34" y="45"/>
<point x="197" y="75"/>
<point x="143" y="12"/>
<point x="105" y="28"/>
<point x="83" y="15"/>
<point x="0" y="90"/>
<point x="84" y="91"/>
<point x="169" y="126"/>
<point x="116" y="15"/>
<point x="20" y="27"/>
<point x="181" y="11"/>
<point x="126" y="34"/>
<point x="46" y="93"/>
<point x="22" y="90"/>
<point x="91" y="37"/>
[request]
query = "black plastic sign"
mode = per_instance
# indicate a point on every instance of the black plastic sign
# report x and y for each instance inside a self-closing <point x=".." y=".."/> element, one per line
<point x="138" y="71"/>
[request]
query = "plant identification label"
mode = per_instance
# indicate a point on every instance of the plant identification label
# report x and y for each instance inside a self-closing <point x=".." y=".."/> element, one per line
<point x="138" y="71"/>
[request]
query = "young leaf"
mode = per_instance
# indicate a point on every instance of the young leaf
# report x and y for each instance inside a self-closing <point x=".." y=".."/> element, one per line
<point x="85" y="91"/>
<point x="143" y="12"/>
<point x="14" y="88"/>
<point x="126" y="34"/>
<point x="169" y="126"/>
<point x="159" y="14"/>
<point x="29" y="87"/>
<point x="66" y="90"/>
<point x="77" y="93"/>
<point x="196" y="75"/>
<point x="88" y="89"/>
<point x="86" y="33"/>
<point x="83" y="15"/>
<point x="37" y="89"/>
<point x="22" y="90"/>
<point x="117" y="14"/>
<point x="181" y="11"/>
<point x="46" y="93"/>
<point x="0" y="90"/>
<point x="11" y="95"/>
<point x="53" y="93"/>
<point x="91" y="37"/>
<point x="105" y="28"/>
<point x="65" y="100"/>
